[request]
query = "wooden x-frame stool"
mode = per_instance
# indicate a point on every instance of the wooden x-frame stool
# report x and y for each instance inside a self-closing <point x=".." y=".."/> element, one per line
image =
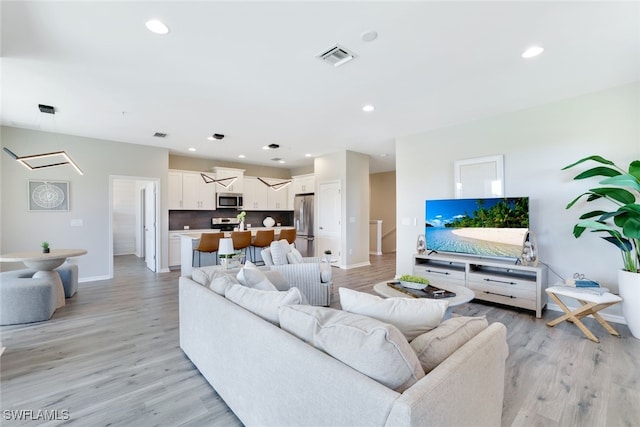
<point x="590" y="302"/>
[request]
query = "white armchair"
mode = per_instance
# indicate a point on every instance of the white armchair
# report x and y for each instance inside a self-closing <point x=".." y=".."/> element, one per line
<point x="311" y="276"/>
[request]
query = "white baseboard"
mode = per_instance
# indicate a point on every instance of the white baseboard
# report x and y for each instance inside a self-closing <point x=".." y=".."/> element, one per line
<point x="92" y="279"/>
<point x="375" y="253"/>
<point x="164" y="270"/>
<point x="610" y="317"/>
<point x="360" y="264"/>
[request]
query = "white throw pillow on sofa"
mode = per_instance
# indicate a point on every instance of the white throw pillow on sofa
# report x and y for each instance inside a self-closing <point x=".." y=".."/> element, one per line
<point x="204" y="275"/>
<point x="436" y="345"/>
<point x="413" y="316"/>
<point x="279" y="250"/>
<point x="251" y="277"/>
<point x="294" y="256"/>
<point x="221" y="281"/>
<point x="377" y="350"/>
<point x="263" y="303"/>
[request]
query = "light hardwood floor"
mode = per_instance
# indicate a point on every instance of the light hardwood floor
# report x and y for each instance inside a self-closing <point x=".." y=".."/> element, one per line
<point x="111" y="357"/>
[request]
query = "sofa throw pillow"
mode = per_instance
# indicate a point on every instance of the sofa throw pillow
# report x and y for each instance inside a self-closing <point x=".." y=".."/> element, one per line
<point x="436" y="345"/>
<point x="377" y="350"/>
<point x="266" y="257"/>
<point x="203" y="275"/>
<point x="325" y="272"/>
<point x="263" y="303"/>
<point x="277" y="279"/>
<point x="279" y="251"/>
<point x="412" y="316"/>
<point x="251" y="277"/>
<point x="221" y="281"/>
<point x="294" y="256"/>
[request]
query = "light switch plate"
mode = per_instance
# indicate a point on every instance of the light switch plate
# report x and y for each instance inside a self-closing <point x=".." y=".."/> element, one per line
<point x="76" y="223"/>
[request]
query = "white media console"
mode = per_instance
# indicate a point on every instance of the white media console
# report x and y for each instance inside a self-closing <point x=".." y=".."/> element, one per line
<point x="491" y="280"/>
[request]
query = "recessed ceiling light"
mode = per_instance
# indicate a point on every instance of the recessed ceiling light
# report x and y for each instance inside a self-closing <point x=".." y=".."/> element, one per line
<point x="192" y="149"/>
<point x="242" y="156"/>
<point x="368" y="108"/>
<point x="281" y="161"/>
<point x="369" y="36"/>
<point x="156" y="27"/>
<point x="265" y="147"/>
<point x="308" y="155"/>
<point x="532" y="51"/>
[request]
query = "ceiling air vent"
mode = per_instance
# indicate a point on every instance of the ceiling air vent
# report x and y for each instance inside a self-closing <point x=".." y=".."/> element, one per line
<point x="336" y="55"/>
<point x="47" y="109"/>
<point x="160" y="135"/>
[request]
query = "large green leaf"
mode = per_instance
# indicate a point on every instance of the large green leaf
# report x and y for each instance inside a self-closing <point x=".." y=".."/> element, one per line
<point x="620" y="194"/>
<point x="577" y="231"/>
<point x="634" y="169"/>
<point x="622" y="244"/>
<point x="593" y="214"/>
<point x="597" y="171"/>
<point x="631" y="228"/>
<point x="598" y="226"/>
<point x="571" y="203"/>
<point x="594" y="158"/>
<point x="625" y="180"/>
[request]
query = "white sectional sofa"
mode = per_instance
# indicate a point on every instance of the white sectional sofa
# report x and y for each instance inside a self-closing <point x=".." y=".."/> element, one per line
<point x="269" y="377"/>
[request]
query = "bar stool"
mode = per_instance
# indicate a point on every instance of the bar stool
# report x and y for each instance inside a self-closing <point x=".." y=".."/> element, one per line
<point x="590" y="304"/>
<point x="262" y="240"/>
<point x="209" y="243"/>
<point x="289" y="234"/>
<point x="241" y="240"/>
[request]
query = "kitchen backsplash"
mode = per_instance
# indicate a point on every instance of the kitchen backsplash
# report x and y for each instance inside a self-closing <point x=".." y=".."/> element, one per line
<point x="202" y="219"/>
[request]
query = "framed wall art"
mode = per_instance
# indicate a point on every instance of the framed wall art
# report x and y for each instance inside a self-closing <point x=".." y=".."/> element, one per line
<point x="48" y="195"/>
<point x="479" y="177"/>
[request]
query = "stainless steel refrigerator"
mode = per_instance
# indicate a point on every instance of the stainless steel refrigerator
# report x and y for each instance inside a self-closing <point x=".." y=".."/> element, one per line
<point x="303" y="221"/>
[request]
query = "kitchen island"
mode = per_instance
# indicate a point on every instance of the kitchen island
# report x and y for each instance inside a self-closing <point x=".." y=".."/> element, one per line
<point x="189" y="240"/>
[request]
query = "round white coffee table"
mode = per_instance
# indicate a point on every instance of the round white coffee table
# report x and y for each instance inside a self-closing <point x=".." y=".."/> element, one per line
<point x="44" y="264"/>
<point x="463" y="294"/>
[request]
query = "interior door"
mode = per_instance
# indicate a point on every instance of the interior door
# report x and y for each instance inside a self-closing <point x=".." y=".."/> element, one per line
<point x="329" y="216"/>
<point x="149" y="216"/>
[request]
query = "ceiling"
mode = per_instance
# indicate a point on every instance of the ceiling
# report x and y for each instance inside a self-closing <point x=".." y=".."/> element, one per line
<point x="248" y="70"/>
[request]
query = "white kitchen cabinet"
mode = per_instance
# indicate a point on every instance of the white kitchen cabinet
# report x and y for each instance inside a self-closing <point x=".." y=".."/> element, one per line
<point x="260" y="197"/>
<point x="304" y="184"/>
<point x="175" y="190"/>
<point x="174" y="250"/>
<point x="277" y="200"/>
<point x="237" y="186"/>
<point x="255" y="194"/>
<point x="188" y="191"/>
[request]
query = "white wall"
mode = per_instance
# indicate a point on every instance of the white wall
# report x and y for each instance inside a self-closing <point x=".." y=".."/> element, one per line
<point x="537" y="143"/>
<point x="352" y="170"/>
<point x="357" y="213"/>
<point x="89" y="194"/>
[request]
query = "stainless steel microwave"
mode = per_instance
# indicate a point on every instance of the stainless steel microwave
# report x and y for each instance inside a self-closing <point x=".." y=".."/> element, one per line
<point x="229" y="200"/>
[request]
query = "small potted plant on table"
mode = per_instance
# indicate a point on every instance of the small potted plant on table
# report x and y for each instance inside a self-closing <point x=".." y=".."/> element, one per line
<point x="45" y="247"/>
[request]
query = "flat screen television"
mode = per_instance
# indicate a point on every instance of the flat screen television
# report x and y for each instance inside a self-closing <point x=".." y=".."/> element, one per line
<point x="491" y="227"/>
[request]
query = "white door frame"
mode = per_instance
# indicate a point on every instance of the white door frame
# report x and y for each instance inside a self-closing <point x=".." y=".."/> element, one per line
<point x="156" y="181"/>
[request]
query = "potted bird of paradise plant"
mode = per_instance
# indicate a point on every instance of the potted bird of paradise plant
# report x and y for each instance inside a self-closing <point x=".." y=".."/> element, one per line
<point x="620" y="224"/>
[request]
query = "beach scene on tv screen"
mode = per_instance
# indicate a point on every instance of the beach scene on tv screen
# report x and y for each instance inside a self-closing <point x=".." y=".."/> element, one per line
<point x="486" y="227"/>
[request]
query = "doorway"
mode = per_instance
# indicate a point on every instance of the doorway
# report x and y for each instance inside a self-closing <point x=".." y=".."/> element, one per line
<point x="134" y="220"/>
<point x="329" y="219"/>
